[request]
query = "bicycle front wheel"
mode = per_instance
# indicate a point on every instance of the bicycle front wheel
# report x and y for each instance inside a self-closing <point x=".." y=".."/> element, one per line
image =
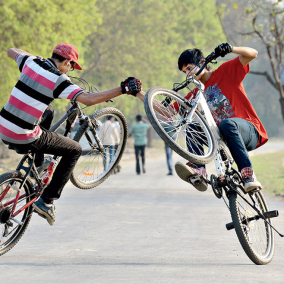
<point x="93" y="166"/>
<point x="254" y="234"/>
<point x="10" y="231"/>
<point x="168" y="114"/>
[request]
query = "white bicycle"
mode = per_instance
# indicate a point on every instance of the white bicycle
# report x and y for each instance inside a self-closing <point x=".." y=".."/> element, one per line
<point x="188" y="127"/>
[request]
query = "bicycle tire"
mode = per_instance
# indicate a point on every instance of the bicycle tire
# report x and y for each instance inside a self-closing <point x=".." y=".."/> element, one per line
<point x="15" y="234"/>
<point x="90" y="170"/>
<point x="259" y="249"/>
<point x="178" y="138"/>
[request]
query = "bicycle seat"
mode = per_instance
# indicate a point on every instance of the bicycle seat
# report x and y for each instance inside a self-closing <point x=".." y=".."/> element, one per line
<point x="19" y="151"/>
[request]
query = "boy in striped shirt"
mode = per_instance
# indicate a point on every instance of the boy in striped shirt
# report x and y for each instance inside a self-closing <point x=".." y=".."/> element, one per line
<point x="26" y="117"/>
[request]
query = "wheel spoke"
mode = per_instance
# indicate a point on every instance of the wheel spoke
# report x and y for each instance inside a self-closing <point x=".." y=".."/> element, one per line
<point x="255" y="235"/>
<point x="93" y="166"/>
<point x="193" y="139"/>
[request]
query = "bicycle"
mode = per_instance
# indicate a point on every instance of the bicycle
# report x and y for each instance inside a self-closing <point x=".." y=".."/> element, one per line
<point x="182" y="123"/>
<point x="19" y="189"/>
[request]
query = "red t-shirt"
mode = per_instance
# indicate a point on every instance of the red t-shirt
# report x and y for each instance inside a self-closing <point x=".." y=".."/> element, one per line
<point x="226" y="97"/>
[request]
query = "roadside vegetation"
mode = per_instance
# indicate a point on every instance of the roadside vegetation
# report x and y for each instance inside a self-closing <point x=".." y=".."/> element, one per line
<point x="269" y="169"/>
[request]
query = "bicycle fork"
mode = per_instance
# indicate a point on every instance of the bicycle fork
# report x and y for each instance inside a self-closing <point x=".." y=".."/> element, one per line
<point x="89" y="124"/>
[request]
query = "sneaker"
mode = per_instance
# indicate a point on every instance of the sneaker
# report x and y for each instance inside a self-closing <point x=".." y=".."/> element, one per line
<point x="190" y="173"/>
<point x="250" y="180"/>
<point x="143" y="169"/>
<point x="45" y="211"/>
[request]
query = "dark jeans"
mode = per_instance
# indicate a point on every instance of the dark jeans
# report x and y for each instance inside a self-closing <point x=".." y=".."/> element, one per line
<point x="240" y="135"/>
<point x="54" y="144"/>
<point x="141" y="150"/>
<point x="169" y="154"/>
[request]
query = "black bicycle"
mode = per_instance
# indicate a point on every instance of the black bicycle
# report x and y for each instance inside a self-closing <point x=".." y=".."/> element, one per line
<point x="103" y="145"/>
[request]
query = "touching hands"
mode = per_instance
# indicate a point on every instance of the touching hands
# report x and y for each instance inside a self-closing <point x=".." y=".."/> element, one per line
<point x="223" y="49"/>
<point x="131" y="86"/>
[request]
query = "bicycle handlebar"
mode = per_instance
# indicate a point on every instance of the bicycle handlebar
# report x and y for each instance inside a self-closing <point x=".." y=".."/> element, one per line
<point x="212" y="56"/>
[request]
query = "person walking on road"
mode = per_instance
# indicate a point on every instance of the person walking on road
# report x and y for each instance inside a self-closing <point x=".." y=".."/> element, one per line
<point x="139" y="132"/>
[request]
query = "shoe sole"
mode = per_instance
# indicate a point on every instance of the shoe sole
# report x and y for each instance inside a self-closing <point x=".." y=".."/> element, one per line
<point x="184" y="172"/>
<point x="252" y="187"/>
<point x="43" y="214"/>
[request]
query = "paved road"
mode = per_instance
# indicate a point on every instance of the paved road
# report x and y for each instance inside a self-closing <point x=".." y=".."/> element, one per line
<point x="138" y="229"/>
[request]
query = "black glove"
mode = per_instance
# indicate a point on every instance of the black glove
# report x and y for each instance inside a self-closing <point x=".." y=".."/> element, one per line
<point x="131" y="86"/>
<point x="223" y="49"/>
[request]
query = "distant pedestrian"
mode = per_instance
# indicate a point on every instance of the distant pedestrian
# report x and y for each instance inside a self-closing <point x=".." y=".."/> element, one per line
<point x="169" y="155"/>
<point x="139" y="132"/>
<point x="170" y="129"/>
<point x="109" y="137"/>
<point x="116" y="124"/>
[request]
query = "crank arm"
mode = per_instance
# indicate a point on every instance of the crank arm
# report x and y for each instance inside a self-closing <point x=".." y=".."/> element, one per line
<point x="262" y="216"/>
<point x="268" y="214"/>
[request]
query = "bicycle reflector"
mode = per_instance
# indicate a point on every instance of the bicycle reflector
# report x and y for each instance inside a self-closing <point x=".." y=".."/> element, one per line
<point x="87" y="173"/>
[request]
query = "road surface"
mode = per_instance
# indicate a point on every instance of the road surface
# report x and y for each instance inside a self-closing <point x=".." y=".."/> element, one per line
<point x="151" y="228"/>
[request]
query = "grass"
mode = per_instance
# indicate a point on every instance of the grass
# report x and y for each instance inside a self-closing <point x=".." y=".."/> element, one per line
<point x="269" y="169"/>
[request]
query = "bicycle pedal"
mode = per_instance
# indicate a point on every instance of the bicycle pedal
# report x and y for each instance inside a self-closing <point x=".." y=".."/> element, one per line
<point x="195" y="179"/>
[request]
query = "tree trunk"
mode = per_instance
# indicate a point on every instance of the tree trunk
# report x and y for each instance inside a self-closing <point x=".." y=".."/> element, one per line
<point x="282" y="106"/>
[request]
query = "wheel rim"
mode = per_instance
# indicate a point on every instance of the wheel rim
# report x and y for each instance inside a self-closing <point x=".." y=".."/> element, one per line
<point x="258" y="233"/>
<point x="11" y="194"/>
<point x="93" y="165"/>
<point x="186" y="136"/>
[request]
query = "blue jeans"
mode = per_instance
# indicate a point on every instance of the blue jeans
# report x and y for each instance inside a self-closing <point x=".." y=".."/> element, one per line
<point x="110" y="149"/>
<point x="240" y="135"/>
<point x="169" y="153"/>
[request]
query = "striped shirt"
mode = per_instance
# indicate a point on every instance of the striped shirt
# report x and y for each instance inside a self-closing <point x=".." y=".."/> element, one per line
<point x="39" y="84"/>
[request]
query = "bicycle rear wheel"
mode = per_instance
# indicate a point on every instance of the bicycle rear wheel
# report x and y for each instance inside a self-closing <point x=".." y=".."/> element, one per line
<point x="10" y="235"/>
<point x="254" y="234"/>
<point x="193" y="140"/>
<point x="94" y="167"/>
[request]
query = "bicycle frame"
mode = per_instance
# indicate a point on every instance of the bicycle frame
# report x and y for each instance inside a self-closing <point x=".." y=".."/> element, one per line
<point x="200" y="102"/>
<point x="70" y="116"/>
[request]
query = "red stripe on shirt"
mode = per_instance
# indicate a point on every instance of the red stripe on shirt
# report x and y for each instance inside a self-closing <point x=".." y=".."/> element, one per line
<point x="24" y="107"/>
<point x="73" y="93"/>
<point x="16" y="136"/>
<point x="38" y="78"/>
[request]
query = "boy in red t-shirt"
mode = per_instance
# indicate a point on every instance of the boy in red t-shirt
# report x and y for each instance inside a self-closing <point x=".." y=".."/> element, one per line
<point x="233" y="113"/>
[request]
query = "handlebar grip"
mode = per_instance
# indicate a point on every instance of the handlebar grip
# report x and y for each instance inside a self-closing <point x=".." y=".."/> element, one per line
<point x="212" y="56"/>
<point x="179" y="87"/>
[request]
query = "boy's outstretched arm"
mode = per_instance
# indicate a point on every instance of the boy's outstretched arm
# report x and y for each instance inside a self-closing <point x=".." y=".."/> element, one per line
<point x="12" y="52"/>
<point x="157" y="105"/>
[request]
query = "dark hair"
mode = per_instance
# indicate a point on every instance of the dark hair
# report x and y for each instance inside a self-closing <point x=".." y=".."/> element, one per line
<point x="58" y="57"/>
<point x="139" y="117"/>
<point x="109" y="117"/>
<point x="191" y="56"/>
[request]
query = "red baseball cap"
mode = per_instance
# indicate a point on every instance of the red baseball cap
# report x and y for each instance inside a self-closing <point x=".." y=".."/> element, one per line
<point x="69" y="52"/>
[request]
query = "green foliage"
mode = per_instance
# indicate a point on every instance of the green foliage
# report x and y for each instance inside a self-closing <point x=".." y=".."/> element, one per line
<point x="145" y="41"/>
<point x="37" y="26"/>
<point x="115" y="39"/>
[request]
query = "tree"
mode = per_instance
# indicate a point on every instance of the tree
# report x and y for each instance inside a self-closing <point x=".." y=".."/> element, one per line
<point x="145" y="41"/>
<point x="262" y="20"/>
<point x="37" y="26"/>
